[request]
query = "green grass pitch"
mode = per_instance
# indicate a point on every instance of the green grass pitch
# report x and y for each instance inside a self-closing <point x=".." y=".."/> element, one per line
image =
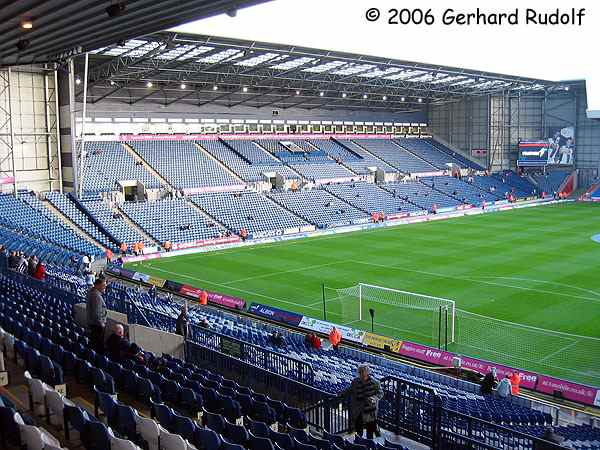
<point x="534" y="266"/>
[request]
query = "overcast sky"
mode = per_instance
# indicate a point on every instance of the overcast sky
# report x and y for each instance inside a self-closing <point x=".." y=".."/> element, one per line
<point x="563" y="52"/>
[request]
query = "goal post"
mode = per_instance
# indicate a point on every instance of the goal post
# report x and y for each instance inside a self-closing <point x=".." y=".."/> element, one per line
<point x="403" y="313"/>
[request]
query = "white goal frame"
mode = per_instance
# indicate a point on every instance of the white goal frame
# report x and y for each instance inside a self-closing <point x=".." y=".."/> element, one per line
<point x="449" y="305"/>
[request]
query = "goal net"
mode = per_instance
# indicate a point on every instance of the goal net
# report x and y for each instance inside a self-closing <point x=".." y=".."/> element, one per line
<point x="396" y="313"/>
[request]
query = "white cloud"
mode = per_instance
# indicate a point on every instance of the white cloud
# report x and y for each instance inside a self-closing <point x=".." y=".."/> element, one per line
<point x="562" y="52"/>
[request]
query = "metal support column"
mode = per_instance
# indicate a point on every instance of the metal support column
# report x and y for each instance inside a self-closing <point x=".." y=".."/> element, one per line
<point x="8" y="170"/>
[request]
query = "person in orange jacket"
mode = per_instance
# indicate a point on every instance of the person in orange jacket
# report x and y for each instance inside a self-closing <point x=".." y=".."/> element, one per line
<point x="203" y="298"/>
<point x="515" y="381"/>
<point x="335" y="337"/>
<point x="109" y="254"/>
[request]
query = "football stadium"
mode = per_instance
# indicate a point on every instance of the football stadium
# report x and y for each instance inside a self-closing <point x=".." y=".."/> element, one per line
<point x="217" y="243"/>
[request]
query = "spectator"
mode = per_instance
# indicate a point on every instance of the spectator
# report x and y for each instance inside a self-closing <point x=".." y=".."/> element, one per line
<point x="515" y="381"/>
<point x="109" y="255"/>
<point x="31" y="265"/>
<point x="136" y="354"/>
<point x="168" y="246"/>
<point x="13" y="261"/>
<point x="204" y="323"/>
<point x="22" y="264"/>
<point x="96" y="314"/>
<point x="182" y="325"/>
<point x="40" y="271"/>
<point x="117" y="344"/>
<point x="123" y="247"/>
<point x="277" y="339"/>
<point x="503" y="389"/>
<point x="335" y="337"/>
<point x="308" y="339"/>
<point x="551" y="440"/>
<point x="152" y="292"/>
<point x="488" y="383"/>
<point x="89" y="277"/>
<point x="364" y="393"/>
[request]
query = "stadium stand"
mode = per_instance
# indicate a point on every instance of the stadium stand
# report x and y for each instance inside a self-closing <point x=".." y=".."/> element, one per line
<point x="68" y="208"/>
<point x="395" y="155"/>
<point x="249" y="210"/>
<point x="172" y="220"/>
<point x="429" y="153"/>
<point x="27" y="215"/>
<point x="465" y="162"/>
<point x="109" y="162"/>
<point x="352" y="155"/>
<point x="371" y="198"/>
<point x="112" y="220"/>
<point x="523" y="187"/>
<point x="325" y="170"/>
<point x="247" y="160"/>
<point x="465" y="192"/>
<point x="421" y="195"/>
<point x="320" y="208"/>
<point x="190" y="168"/>
<point x="551" y="181"/>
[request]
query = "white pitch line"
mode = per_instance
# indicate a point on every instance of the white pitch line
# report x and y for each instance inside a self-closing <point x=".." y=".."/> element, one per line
<point x="233" y="288"/>
<point x="560" y="350"/>
<point x="270" y="274"/>
<point x="589" y="291"/>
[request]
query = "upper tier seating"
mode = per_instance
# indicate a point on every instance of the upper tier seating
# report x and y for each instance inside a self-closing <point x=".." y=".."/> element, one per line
<point x="115" y="225"/>
<point x="465" y="162"/>
<point x="29" y="216"/>
<point x="172" y="220"/>
<point x="429" y="153"/>
<point x="371" y="198"/>
<point x="551" y="181"/>
<point x="465" y="192"/>
<point x="421" y="195"/>
<point x="248" y="210"/>
<point x="320" y="207"/>
<point x="352" y="155"/>
<point x="395" y="155"/>
<point x="68" y="208"/>
<point x="109" y="162"/>
<point x="183" y="164"/>
<point x="247" y="160"/>
<point x="321" y="171"/>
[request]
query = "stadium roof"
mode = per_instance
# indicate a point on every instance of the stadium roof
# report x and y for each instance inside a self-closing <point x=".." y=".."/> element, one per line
<point x="62" y="28"/>
<point x="202" y="70"/>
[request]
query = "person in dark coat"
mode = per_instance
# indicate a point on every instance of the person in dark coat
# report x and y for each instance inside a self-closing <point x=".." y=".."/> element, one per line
<point x="488" y="383"/>
<point x="117" y="344"/>
<point x="182" y="325"/>
<point x="364" y="394"/>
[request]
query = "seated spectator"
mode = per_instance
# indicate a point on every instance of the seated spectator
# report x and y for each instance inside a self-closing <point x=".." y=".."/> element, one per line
<point x="277" y="339"/>
<point x="136" y="354"/>
<point x="123" y="247"/>
<point x="117" y="344"/>
<point x="31" y="265"/>
<point x="13" y="261"/>
<point x="40" y="271"/>
<point x="204" y="323"/>
<point x="503" y="389"/>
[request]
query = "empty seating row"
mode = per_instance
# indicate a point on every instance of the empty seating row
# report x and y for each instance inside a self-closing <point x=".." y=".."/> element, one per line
<point x="395" y="155"/>
<point x="68" y="208"/>
<point x="371" y="198"/>
<point x="172" y="220"/>
<point x="106" y="163"/>
<point x="112" y="220"/>
<point x="320" y="208"/>
<point x="249" y="210"/>
<point x="27" y="215"/>
<point x="428" y="152"/>
<point x="183" y="164"/>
